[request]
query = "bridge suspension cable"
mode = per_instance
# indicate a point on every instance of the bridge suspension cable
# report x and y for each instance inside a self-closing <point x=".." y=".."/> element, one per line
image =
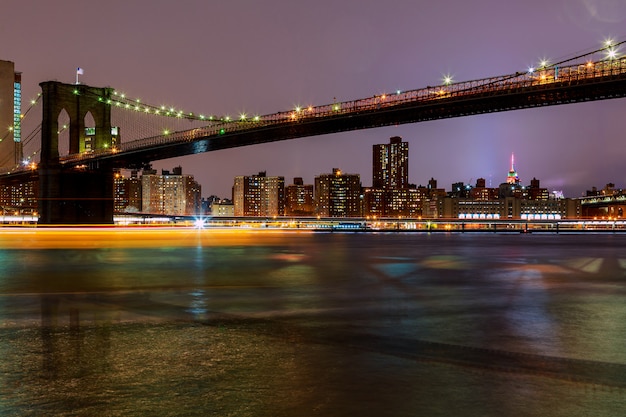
<point x="9" y="159"/>
<point x="145" y="125"/>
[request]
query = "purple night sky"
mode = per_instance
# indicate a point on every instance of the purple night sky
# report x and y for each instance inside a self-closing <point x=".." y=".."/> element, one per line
<point x="260" y="57"/>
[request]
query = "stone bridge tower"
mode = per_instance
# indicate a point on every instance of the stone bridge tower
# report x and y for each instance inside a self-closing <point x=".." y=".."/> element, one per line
<point x="75" y="195"/>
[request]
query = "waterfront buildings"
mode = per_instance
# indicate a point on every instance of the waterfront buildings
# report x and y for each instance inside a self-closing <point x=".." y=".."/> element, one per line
<point x="259" y="195"/>
<point x="170" y="193"/>
<point x="19" y="197"/>
<point x="341" y="195"/>
<point x="510" y="200"/>
<point x="10" y="115"/>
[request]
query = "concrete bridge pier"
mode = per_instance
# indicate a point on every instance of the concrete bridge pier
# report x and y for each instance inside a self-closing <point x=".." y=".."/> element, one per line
<point x="69" y="196"/>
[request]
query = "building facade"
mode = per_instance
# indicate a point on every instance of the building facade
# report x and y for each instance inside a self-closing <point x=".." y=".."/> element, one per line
<point x="11" y="152"/>
<point x="222" y="208"/>
<point x="299" y="199"/>
<point x="390" y="165"/>
<point x="338" y="194"/>
<point x="19" y="196"/>
<point x="510" y="201"/>
<point x="127" y="198"/>
<point x="259" y="195"/>
<point x="391" y="194"/>
<point x="170" y="193"/>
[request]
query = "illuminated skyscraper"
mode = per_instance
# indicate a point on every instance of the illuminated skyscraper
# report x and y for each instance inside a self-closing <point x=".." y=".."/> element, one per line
<point x="391" y="165"/>
<point x="10" y="115"/>
<point x="391" y="194"/>
<point x="512" y="177"/>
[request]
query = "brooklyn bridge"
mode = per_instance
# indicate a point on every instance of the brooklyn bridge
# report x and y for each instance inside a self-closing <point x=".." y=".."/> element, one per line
<point x="105" y="130"/>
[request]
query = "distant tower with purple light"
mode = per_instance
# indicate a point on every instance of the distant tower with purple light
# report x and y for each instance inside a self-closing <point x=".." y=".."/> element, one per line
<point x="512" y="177"/>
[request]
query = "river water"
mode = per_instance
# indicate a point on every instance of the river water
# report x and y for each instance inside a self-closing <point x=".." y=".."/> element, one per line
<point x="266" y="323"/>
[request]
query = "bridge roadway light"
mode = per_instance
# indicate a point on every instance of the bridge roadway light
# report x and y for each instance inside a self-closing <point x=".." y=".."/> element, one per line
<point x="611" y="53"/>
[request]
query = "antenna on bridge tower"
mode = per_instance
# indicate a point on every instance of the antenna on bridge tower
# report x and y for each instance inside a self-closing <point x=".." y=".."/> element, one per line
<point x="79" y="71"/>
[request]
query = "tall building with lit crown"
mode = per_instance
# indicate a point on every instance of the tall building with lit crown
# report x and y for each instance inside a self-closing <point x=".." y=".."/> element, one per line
<point x="259" y="195"/>
<point x="338" y="194"/>
<point x="512" y="177"/>
<point x="10" y="115"/>
<point x="170" y="193"/>
<point x="390" y="165"/>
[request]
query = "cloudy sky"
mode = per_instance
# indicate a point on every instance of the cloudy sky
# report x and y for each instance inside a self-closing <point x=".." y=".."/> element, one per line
<point x="260" y="57"/>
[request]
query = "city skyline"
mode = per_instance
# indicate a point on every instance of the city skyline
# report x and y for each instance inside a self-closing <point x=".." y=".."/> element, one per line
<point x="159" y="52"/>
<point x="507" y="176"/>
